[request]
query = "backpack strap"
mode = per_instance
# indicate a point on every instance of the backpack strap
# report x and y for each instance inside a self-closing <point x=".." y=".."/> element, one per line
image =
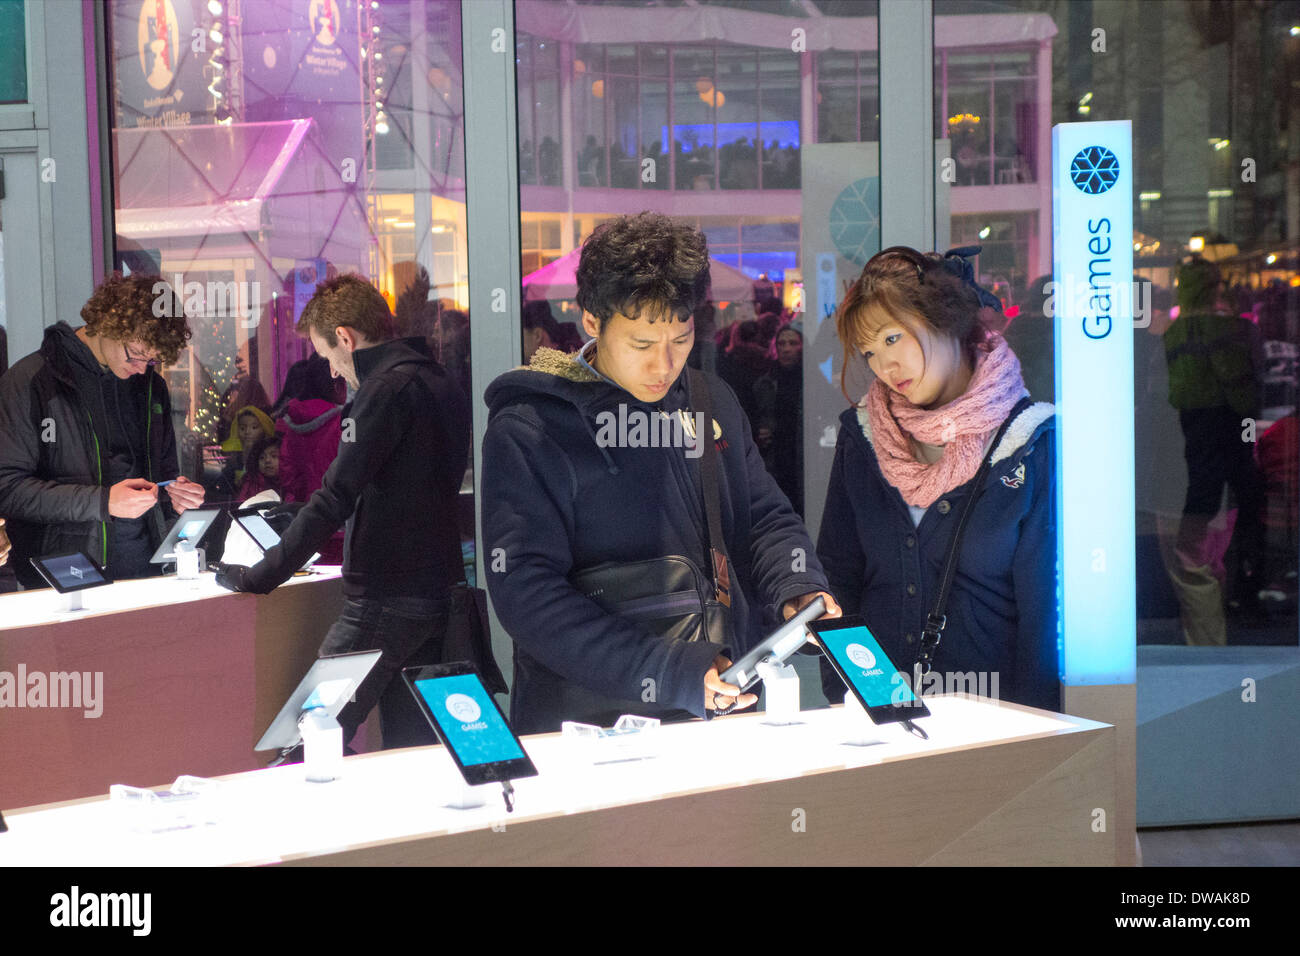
<point x="701" y="402"/>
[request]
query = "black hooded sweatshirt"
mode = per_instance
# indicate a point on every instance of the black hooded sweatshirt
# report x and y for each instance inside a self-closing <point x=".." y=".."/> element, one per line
<point x="394" y="483"/>
<point x="66" y="435"/>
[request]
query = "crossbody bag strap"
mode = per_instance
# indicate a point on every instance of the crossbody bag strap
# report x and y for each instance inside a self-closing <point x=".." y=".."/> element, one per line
<point x="937" y="619"/>
<point x="701" y="402"/>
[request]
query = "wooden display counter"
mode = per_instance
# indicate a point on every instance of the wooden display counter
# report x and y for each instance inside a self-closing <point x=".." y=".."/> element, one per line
<point x="185" y="676"/>
<point x="995" y="784"/>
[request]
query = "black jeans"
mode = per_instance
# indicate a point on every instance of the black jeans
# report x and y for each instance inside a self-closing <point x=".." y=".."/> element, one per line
<point x="409" y="631"/>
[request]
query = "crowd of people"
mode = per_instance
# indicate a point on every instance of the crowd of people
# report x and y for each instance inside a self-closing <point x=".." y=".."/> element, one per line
<point x="740" y="163"/>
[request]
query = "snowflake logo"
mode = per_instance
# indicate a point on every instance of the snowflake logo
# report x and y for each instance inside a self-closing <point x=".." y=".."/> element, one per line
<point x="854" y="221"/>
<point x="1094" y="170"/>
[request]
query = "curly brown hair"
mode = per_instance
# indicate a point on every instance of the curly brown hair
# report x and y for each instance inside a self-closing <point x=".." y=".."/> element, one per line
<point x="900" y="285"/>
<point x="138" y="308"/>
<point x="347" y="300"/>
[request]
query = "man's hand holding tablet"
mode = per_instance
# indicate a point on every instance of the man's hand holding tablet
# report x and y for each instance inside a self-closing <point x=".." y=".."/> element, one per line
<point x="719" y="695"/>
<point x="793" y="606"/>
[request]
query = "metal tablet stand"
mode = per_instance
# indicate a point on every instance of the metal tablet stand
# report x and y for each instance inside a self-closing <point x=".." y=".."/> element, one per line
<point x="781" y="689"/>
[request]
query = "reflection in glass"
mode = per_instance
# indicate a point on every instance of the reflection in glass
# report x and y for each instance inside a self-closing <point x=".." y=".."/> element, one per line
<point x="298" y="141"/>
<point x="704" y="116"/>
<point x="1217" y="530"/>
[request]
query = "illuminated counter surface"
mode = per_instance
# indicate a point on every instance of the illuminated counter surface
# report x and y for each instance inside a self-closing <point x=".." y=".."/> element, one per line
<point x="995" y="784"/>
<point x="33" y="608"/>
<point x="189" y="675"/>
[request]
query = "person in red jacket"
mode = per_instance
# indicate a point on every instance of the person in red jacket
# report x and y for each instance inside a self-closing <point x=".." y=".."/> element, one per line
<point x="312" y="424"/>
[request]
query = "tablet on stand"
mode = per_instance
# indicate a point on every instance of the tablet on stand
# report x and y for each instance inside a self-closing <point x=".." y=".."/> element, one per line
<point x="877" y="688"/>
<point x="469" y="722"/>
<point x="766" y="661"/>
<point x="310" y="714"/>
<point x="70" y="575"/>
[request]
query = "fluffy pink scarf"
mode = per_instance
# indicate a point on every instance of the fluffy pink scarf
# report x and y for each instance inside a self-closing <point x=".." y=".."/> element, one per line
<point x="963" y="426"/>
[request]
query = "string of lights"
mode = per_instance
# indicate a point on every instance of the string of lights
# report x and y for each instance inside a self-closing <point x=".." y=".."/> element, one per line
<point x="376" y="122"/>
<point x="224" y="66"/>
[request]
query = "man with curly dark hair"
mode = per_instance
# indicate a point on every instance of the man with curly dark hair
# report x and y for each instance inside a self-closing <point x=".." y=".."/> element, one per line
<point x="86" y="436"/>
<point x="564" y="494"/>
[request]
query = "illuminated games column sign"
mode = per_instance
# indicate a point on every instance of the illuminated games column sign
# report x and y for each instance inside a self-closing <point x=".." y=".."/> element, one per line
<point x="1092" y="264"/>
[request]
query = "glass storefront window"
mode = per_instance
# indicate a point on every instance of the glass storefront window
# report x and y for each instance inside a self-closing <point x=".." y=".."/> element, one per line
<point x="1206" y="90"/>
<point x="712" y="130"/>
<point x="262" y="147"/>
<point x="537" y="66"/>
<point x="13" y="51"/>
<point x="848" y="99"/>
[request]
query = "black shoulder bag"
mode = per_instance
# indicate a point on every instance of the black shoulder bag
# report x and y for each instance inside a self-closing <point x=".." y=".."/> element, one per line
<point x="670" y="594"/>
<point x="936" y="620"/>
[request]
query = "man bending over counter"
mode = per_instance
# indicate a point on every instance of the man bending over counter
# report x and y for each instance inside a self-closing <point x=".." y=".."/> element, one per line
<point x="394" y="484"/>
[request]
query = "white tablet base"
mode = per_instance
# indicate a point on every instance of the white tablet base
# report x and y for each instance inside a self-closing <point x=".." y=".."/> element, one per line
<point x="469" y="797"/>
<point x="322" y="745"/>
<point x="859" y="731"/>
<point x="71" y="601"/>
<point x="781" y="693"/>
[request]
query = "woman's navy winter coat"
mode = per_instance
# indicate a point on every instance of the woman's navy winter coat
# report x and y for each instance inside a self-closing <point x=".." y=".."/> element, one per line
<point x="1002" y="608"/>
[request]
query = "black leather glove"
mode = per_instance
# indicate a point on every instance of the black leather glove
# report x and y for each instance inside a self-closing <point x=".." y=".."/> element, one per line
<point x="233" y="577"/>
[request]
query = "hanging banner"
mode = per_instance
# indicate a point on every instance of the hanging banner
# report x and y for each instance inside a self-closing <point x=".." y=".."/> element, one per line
<point x="303" y="58"/>
<point x="160" y="51"/>
<point x="840" y="232"/>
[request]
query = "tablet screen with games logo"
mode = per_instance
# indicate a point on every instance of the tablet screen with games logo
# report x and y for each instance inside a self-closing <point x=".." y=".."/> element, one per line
<point x="884" y="691"/>
<point x="466" y="718"/>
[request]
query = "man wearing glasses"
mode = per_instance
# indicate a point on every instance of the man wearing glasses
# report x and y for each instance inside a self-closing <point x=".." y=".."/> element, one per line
<point x="86" y="434"/>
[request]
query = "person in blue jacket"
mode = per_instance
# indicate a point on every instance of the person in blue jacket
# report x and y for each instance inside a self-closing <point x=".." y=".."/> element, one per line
<point x="565" y="489"/>
<point x="904" y="468"/>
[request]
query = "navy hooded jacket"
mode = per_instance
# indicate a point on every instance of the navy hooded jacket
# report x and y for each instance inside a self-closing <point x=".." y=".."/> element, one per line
<point x="556" y="502"/>
<point x="1002" y="607"/>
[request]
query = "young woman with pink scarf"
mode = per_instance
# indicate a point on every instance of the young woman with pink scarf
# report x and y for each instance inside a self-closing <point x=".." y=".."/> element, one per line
<point x="904" y="470"/>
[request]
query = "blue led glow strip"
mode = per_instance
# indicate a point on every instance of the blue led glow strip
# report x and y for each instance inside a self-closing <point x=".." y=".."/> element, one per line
<point x="1092" y="265"/>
